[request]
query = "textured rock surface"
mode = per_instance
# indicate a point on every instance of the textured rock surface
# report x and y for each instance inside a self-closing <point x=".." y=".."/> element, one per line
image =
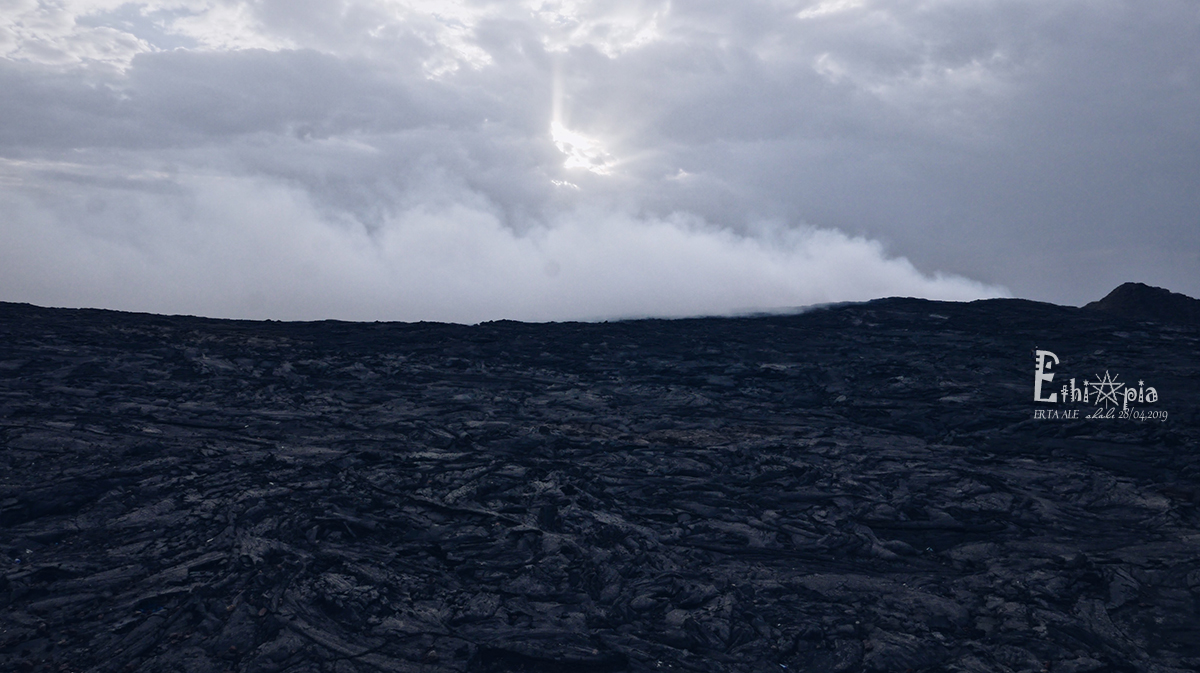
<point x="857" y="488"/>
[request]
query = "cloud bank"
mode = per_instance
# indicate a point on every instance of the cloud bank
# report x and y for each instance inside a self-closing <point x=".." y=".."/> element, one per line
<point x="251" y="247"/>
<point x="579" y="160"/>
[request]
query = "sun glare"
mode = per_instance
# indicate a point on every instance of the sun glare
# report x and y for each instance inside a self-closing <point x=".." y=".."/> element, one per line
<point x="581" y="151"/>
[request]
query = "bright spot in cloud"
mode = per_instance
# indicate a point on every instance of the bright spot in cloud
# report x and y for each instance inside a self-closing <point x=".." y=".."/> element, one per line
<point x="581" y="151"/>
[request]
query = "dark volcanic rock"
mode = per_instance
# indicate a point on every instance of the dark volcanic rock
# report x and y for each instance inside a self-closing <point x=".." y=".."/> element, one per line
<point x="866" y="487"/>
<point x="1143" y="302"/>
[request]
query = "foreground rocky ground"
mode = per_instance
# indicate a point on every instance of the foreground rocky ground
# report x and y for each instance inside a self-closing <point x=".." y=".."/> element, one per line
<point x="860" y="487"/>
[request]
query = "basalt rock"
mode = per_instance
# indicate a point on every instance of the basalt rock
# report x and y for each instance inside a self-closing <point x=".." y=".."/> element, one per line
<point x="1143" y="302"/>
<point x="862" y="487"/>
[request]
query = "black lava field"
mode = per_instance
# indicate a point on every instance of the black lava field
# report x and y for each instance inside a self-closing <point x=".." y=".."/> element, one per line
<point x="858" y="487"/>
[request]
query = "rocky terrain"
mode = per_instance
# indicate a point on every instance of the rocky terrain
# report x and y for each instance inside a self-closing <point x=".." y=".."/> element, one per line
<point x="1140" y="301"/>
<point x="862" y="487"/>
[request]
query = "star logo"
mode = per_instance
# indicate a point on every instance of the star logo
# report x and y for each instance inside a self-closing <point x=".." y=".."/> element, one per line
<point x="1106" y="389"/>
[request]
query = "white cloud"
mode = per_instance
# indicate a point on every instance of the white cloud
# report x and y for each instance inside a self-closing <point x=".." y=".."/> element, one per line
<point x="612" y="28"/>
<point x="225" y="26"/>
<point x="249" y="247"/>
<point x="50" y="34"/>
<point x="828" y="7"/>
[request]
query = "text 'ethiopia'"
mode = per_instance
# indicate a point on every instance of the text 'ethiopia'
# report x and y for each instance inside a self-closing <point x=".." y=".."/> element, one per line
<point x="1104" y="390"/>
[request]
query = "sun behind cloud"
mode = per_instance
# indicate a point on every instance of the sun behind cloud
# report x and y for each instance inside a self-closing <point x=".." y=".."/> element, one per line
<point x="581" y="151"/>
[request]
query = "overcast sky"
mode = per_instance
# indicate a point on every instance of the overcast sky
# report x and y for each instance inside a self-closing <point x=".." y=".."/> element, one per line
<point x="550" y="160"/>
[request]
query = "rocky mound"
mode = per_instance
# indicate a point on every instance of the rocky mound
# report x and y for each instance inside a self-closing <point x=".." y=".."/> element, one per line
<point x="1143" y="302"/>
<point x="866" y="487"/>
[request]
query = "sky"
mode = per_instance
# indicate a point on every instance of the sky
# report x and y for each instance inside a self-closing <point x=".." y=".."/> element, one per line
<point x="564" y="159"/>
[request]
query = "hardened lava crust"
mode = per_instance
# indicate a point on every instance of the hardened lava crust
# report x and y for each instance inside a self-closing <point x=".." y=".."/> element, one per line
<point x="859" y="487"/>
